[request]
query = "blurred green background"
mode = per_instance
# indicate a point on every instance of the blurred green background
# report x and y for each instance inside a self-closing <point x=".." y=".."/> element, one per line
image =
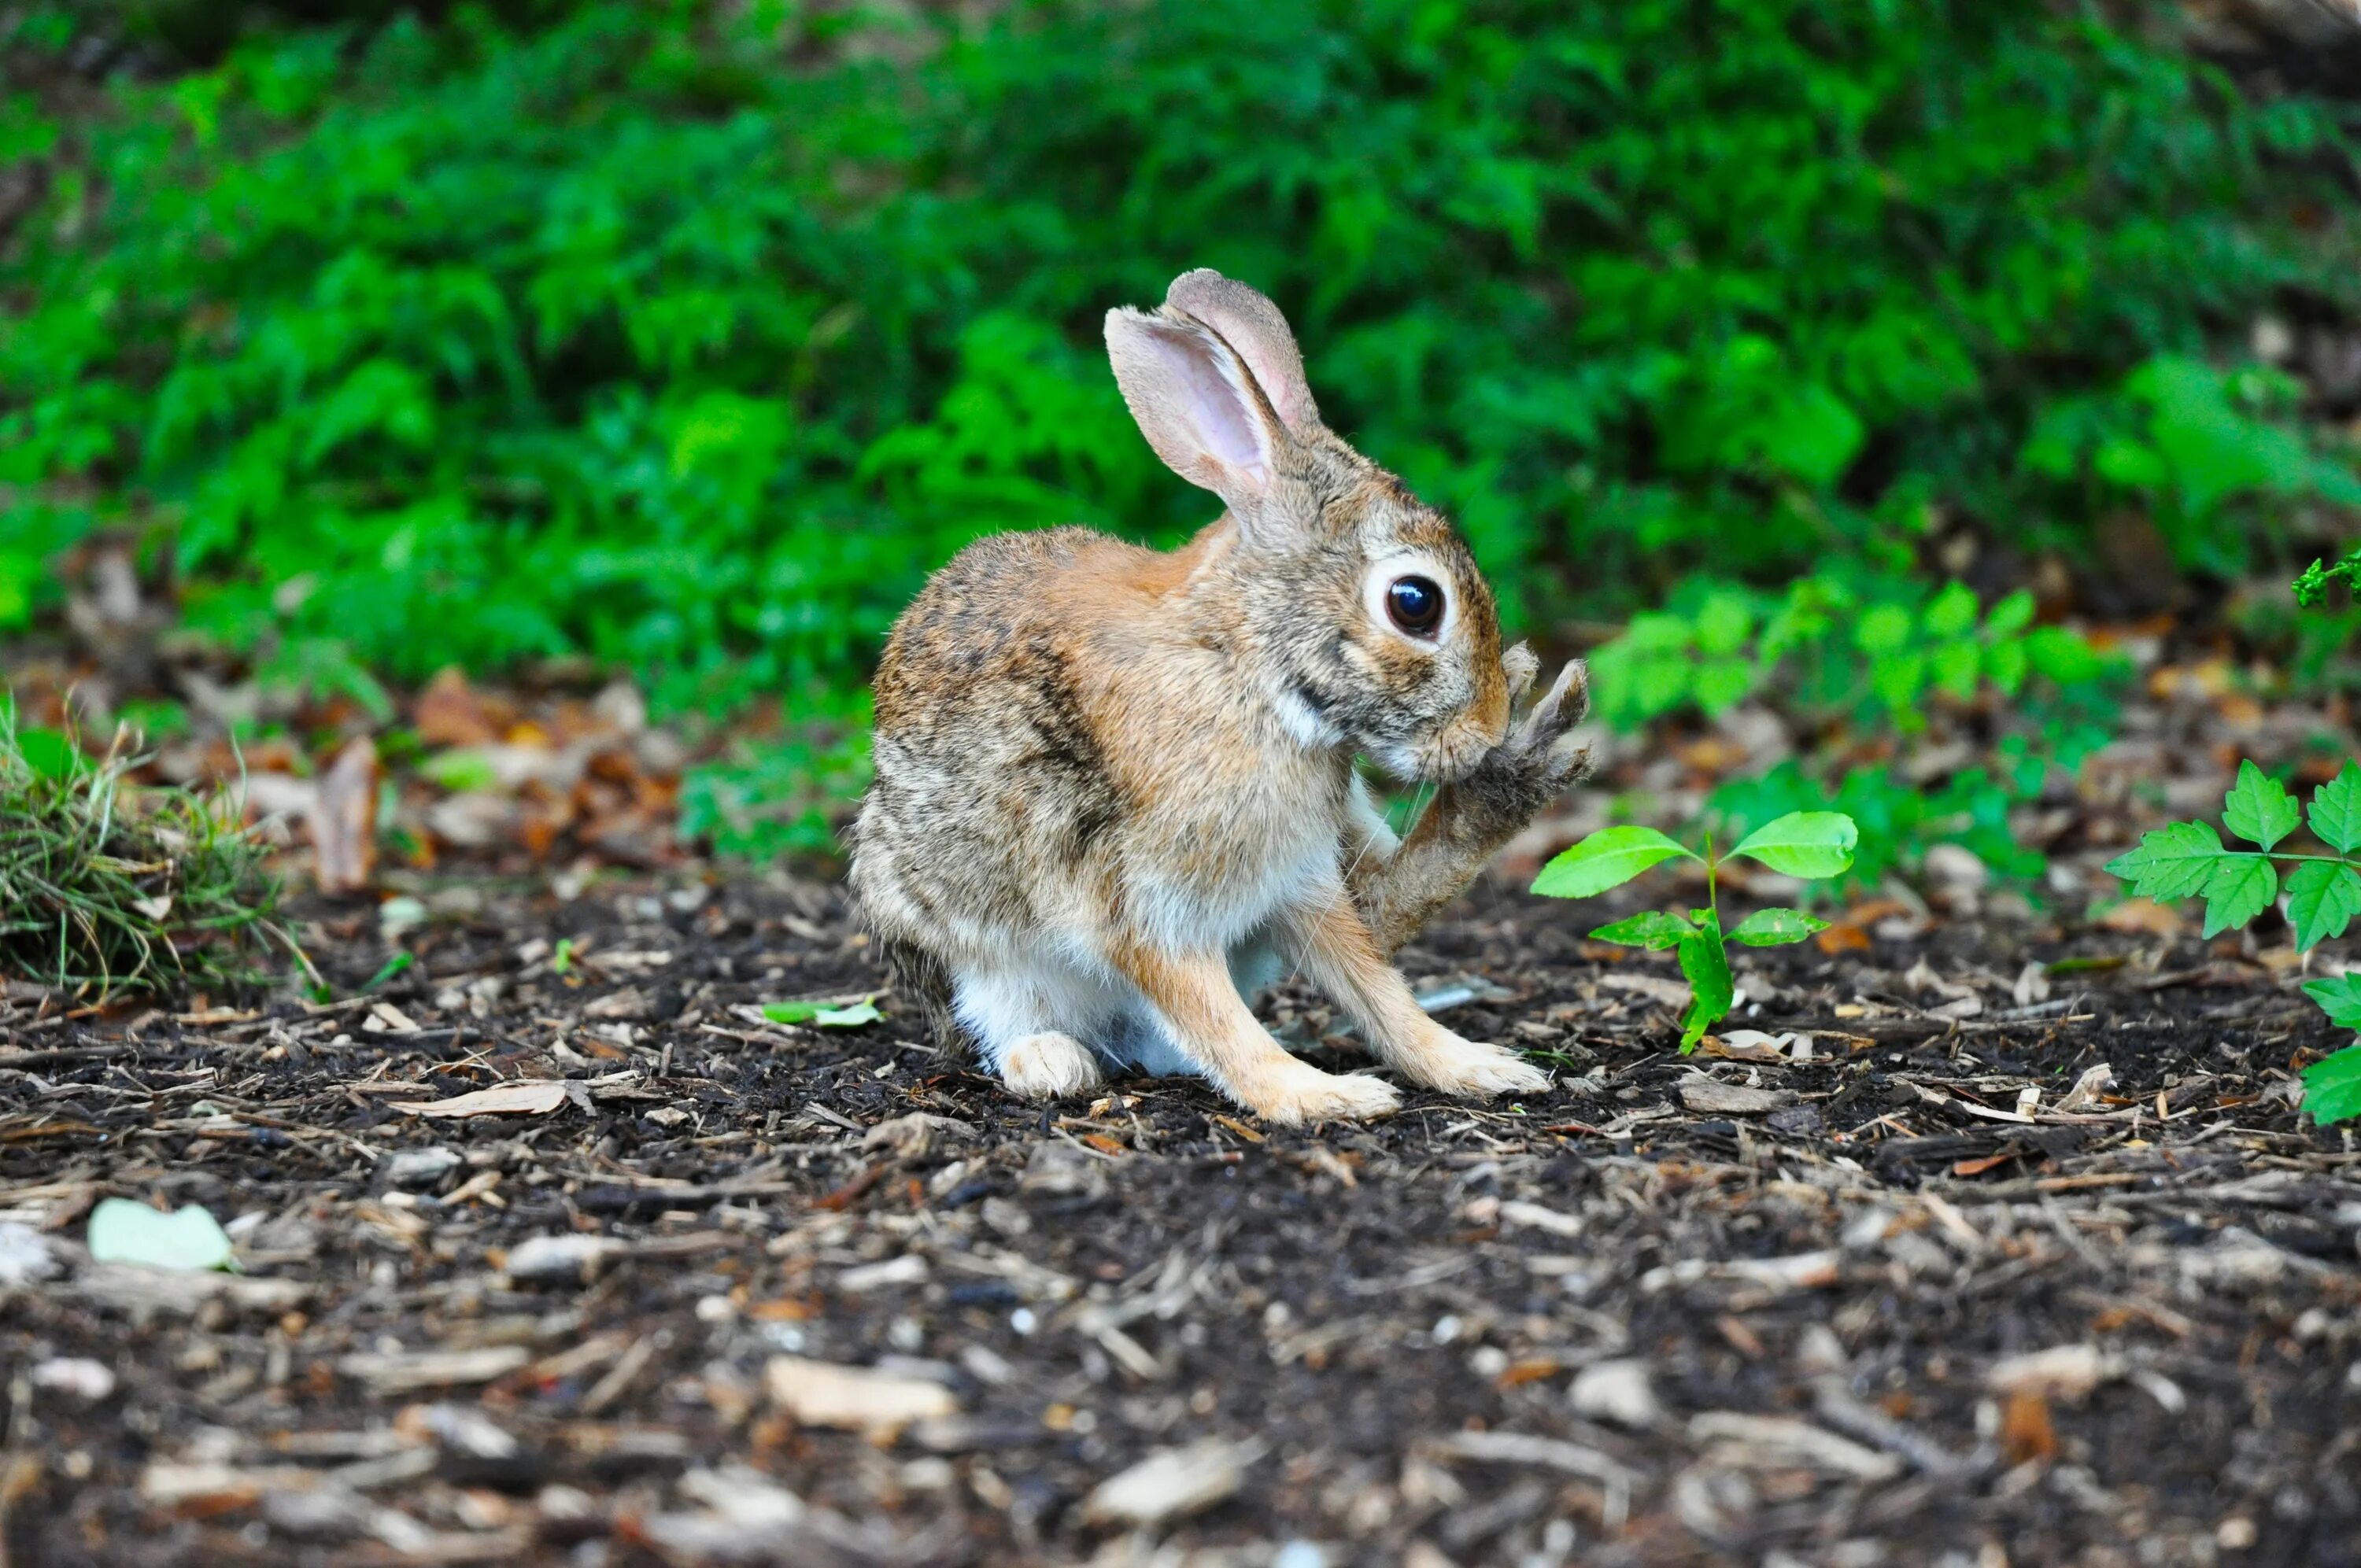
<point x="689" y="337"/>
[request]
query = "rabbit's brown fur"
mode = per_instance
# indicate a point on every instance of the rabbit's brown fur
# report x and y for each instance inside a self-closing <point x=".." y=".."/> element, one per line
<point x="1112" y="784"/>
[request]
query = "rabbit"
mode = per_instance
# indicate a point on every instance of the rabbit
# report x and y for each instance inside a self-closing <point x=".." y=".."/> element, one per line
<point x="1115" y="789"/>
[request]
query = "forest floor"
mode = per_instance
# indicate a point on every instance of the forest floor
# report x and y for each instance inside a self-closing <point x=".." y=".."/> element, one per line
<point x="711" y="1288"/>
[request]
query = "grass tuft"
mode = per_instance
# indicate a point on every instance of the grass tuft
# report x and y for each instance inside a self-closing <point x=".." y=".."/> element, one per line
<point x="109" y="890"/>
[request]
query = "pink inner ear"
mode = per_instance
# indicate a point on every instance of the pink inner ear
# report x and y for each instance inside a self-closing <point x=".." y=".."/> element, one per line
<point x="1221" y="409"/>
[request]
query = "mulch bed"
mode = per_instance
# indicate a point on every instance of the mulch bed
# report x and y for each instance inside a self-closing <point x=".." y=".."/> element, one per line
<point x="1878" y="1306"/>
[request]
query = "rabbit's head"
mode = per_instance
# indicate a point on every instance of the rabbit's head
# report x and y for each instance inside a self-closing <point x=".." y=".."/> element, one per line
<point x="1358" y="608"/>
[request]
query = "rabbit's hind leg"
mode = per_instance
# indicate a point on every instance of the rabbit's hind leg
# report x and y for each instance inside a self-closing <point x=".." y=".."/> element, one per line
<point x="1026" y="1025"/>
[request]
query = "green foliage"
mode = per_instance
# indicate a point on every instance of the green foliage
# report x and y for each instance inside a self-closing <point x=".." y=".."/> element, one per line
<point x="1836" y="644"/>
<point x="1810" y="844"/>
<point x="2312" y="587"/>
<point x="2189" y="442"/>
<point x="1609" y="858"/>
<point x="2332" y="1086"/>
<point x="690" y="337"/>
<point x="1899" y="820"/>
<point x="2187" y="859"/>
<point x="114" y="890"/>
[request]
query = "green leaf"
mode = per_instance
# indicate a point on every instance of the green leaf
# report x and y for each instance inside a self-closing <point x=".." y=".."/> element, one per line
<point x="1708" y="969"/>
<point x="2339" y="997"/>
<point x="1609" y="858"/>
<point x="2331" y="1086"/>
<point x="1773" y="927"/>
<point x="1656" y="930"/>
<point x="391" y="967"/>
<point x="1804" y="843"/>
<point x="2175" y="860"/>
<point x="51" y="754"/>
<point x="2258" y="808"/>
<point x="124" y="1231"/>
<point x="2322" y="898"/>
<point x="823" y="1014"/>
<point x="2241" y="887"/>
<point x="2336" y="810"/>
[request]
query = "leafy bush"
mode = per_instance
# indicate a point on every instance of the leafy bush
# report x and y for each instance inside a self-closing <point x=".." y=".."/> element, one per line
<point x="690" y="337"/>
<point x="1873" y="650"/>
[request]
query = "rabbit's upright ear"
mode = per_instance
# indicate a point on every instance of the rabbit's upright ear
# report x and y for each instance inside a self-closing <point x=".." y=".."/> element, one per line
<point x="1252" y="326"/>
<point x="1198" y="405"/>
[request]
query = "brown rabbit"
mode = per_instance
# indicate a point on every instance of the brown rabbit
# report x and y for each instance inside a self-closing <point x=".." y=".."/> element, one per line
<point x="1113" y="787"/>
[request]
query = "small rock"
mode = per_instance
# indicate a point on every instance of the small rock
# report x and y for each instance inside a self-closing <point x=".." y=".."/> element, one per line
<point x="1171" y="1483"/>
<point x="1710" y="1096"/>
<point x="414" y="1168"/>
<point x="1616" y="1391"/>
<point x="552" y="1260"/>
<point x="77" y="1377"/>
<point x="25" y="1257"/>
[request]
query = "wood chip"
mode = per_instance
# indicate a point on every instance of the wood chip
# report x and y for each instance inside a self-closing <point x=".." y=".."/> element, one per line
<point x="1172" y="1482"/>
<point x="1710" y="1096"/>
<point x="857" y="1398"/>
<point x="525" y="1097"/>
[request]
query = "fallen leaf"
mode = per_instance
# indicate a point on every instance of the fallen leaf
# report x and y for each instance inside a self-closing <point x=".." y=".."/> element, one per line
<point x="344" y="820"/>
<point x="2025" y="1433"/>
<point x="2142" y="917"/>
<point x="526" y="1097"/>
<point x="450" y="713"/>
<point x="124" y="1231"/>
<point x="1843" y="936"/>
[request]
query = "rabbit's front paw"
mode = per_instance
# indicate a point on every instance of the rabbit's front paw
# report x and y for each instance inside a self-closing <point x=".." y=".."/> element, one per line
<point x="1539" y="759"/>
<point x="1297" y="1093"/>
<point x="1050" y="1067"/>
<point x="1458" y="1066"/>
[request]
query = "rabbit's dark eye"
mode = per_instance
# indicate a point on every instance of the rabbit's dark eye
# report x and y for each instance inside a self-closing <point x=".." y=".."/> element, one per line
<point x="1415" y="604"/>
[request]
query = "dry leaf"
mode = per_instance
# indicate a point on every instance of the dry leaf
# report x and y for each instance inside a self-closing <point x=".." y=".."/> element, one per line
<point x="2025" y="1433"/>
<point x="344" y="820"/>
<point x="2142" y="917"/>
<point x="525" y="1097"/>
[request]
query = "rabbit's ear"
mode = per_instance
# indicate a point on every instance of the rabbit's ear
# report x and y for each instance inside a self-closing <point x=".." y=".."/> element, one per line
<point x="1253" y="326"/>
<point x="1197" y="403"/>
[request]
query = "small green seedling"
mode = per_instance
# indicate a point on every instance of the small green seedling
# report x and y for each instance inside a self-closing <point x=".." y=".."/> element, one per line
<point x="1813" y="844"/>
<point x="2187" y="860"/>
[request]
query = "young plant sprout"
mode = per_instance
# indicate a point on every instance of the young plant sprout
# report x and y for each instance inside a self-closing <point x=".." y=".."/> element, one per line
<point x="1811" y="844"/>
<point x="2187" y="860"/>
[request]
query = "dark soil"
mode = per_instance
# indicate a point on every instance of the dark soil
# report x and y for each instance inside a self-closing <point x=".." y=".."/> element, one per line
<point x="1638" y="1320"/>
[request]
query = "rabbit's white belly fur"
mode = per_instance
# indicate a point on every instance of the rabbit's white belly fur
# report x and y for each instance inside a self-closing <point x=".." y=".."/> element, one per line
<point x="1053" y="979"/>
<point x="1045" y="992"/>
